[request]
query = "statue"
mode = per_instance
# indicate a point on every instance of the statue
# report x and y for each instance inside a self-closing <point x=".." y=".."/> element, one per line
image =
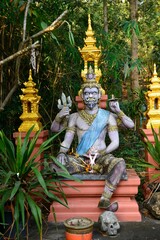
<point x="91" y="126"/>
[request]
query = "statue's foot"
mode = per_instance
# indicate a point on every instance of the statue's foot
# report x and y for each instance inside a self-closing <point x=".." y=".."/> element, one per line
<point x="113" y="207"/>
<point x="105" y="204"/>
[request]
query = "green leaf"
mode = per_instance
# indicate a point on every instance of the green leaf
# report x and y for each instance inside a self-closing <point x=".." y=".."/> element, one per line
<point x="40" y="179"/>
<point x="54" y="37"/>
<point x="31" y="145"/>
<point x="71" y="38"/>
<point x="44" y="25"/>
<point x="15" y="189"/>
<point x="19" y="155"/>
<point x="126" y="70"/>
<point x="36" y="212"/>
<point x="136" y="28"/>
<point x="20" y="199"/>
<point x="8" y="177"/>
<point x="8" y="151"/>
<point x="4" y="199"/>
<point x="17" y="216"/>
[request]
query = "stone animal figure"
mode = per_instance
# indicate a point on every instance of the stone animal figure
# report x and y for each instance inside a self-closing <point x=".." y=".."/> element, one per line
<point x="109" y="223"/>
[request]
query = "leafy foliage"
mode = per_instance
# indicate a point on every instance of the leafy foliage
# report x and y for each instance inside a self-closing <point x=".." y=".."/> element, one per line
<point x="153" y="149"/>
<point x="58" y="60"/>
<point x="59" y="63"/>
<point x="28" y="185"/>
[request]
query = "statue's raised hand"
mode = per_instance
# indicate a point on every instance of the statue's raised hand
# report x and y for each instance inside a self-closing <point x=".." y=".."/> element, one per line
<point x="64" y="104"/>
<point x="114" y="106"/>
<point x="64" y="112"/>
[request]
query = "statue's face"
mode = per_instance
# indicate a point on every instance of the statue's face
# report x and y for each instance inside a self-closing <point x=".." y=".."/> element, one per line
<point x="91" y="96"/>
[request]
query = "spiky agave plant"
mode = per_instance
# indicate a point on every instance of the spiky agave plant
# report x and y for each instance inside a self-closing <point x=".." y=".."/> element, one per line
<point x="153" y="150"/>
<point x="24" y="180"/>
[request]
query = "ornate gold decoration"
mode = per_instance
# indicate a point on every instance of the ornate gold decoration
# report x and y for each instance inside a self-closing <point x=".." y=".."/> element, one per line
<point x="88" y="118"/>
<point x="120" y="114"/>
<point x="91" y="55"/>
<point x="90" y="81"/>
<point x="109" y="185"/>
<point x="153" y="101"/>
<point x="119" y="121"/>
<point x="107" y="195"/>
<point x="64" y="147"/>
<point x="71" y="129"/>
<point x="112" y="128"/>
<point x="30" y="101"/>
<point x="58" y="119"/>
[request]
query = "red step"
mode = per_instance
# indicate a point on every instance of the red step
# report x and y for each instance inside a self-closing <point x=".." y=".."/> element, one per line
<point x="84" y="200"/>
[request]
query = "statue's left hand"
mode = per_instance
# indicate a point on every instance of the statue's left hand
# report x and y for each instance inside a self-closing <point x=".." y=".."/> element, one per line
<point x="114" y="106"/>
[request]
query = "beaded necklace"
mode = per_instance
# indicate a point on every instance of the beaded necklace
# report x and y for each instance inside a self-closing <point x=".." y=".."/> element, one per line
<point x="88" y="118"/>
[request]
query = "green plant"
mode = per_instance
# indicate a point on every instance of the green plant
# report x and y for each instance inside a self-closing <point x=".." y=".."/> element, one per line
<point x="153" y="150"/>
<point x="27" y="185"/>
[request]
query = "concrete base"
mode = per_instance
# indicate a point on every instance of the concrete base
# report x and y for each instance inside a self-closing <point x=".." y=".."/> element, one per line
<point x="84" y="200"/>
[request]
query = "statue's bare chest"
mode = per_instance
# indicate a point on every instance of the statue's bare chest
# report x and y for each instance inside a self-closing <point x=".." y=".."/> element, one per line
<point x="81" y="124"/>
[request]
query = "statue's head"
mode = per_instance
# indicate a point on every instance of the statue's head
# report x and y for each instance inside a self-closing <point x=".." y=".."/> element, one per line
<point x="90" y="90"/>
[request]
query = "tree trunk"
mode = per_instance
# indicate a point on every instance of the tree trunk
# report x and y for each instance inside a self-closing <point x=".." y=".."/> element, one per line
<point x="105" y="16"/>
<point x="134" y="49"/>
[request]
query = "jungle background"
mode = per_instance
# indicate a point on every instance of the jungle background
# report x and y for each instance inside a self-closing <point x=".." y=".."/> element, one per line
<point x="45" y="36"/>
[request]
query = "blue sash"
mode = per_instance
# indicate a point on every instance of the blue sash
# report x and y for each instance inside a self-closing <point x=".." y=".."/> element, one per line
<point x="93" y="132"/>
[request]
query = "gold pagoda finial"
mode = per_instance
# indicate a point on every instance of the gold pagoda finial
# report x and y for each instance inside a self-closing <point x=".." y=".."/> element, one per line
<point x="89" y="22"/>
<point x="90" y="53"/>
<point x="153" y="101"/>
<point x="30" y="101"/>
<point x="89" y="32"/>
<point x="155" y="71"/>
<point x="30" y="75"/>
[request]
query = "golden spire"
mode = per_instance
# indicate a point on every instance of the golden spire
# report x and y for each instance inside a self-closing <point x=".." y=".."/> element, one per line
<point x="155" y="71"/>
<point x="90" y="53"/>
<point x="30" y="101"/>
<point x="153" y="101"/>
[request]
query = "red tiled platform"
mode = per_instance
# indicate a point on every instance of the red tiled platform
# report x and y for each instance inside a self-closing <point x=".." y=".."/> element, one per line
<point x="84" y="200"/>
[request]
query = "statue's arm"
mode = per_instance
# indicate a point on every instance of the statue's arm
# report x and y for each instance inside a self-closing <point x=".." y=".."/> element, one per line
<point x="69" y="136"/>
<point x="113" y="134"/>
<point x="122" y="118"/>
<point x="60" y="120"/>
<point x="70" y="133"/>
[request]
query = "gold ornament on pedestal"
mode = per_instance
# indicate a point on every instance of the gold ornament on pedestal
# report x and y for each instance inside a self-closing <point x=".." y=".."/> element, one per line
<point x="91" y="55"/>
<point x="30" y="103"/>
<point x="153" y="102"/>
